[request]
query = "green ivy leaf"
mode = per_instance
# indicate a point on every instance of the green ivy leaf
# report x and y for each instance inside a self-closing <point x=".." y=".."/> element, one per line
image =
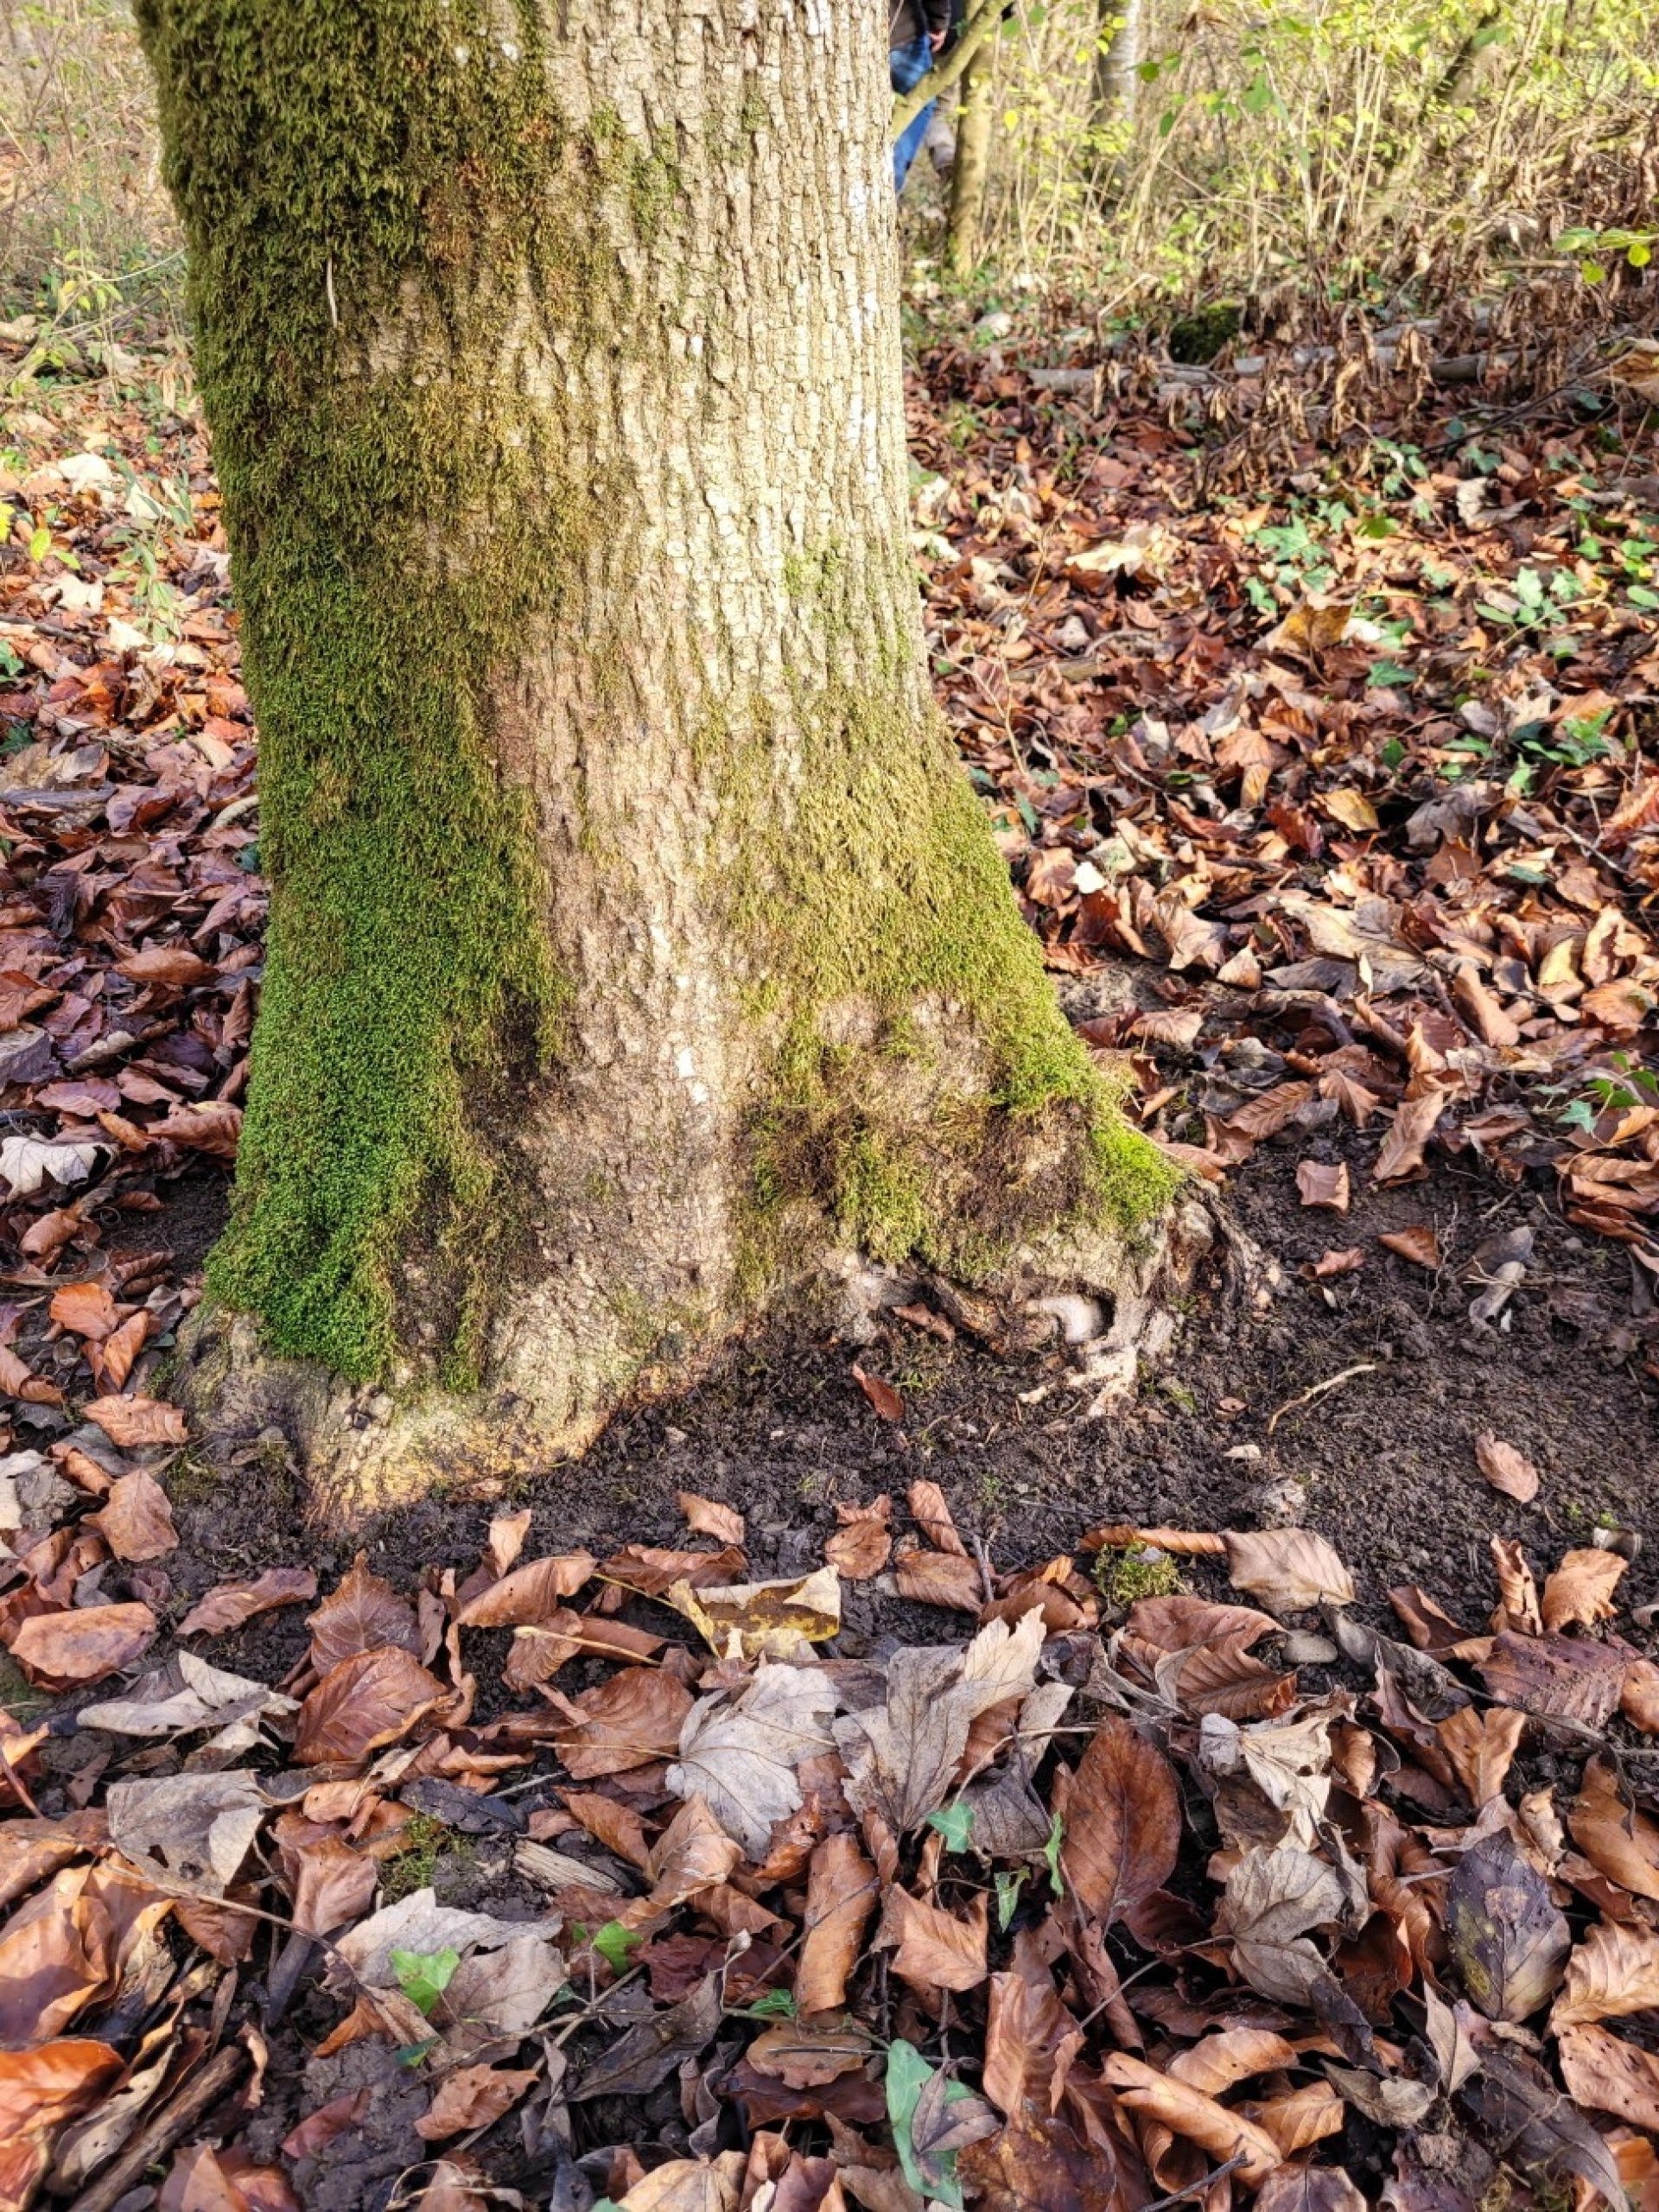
<point x="955" y="1823"/>
<point x="1051" y="1856"/>
<point x="1008" y="1887"/>
<point x="613" y="1942"/>
<point x="424" y="1976"/>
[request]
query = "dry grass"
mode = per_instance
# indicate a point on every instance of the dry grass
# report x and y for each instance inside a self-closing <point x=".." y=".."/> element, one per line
<point x="87" y="238"/>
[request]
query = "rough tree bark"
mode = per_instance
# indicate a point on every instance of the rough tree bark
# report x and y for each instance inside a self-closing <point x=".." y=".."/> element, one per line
<point x="636" y="946"/>
<point x="971" y="168"/>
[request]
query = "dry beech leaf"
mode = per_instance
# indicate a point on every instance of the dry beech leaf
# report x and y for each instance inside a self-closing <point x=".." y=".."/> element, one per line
<point x="471" y="2097"/>
<point x="1419" y="1245"/>
<point x="1516" y="1588"/>
<point x="1607" y="2074"/>
<point x="1323" y="1189"/>
<point x="1040" y="2160"/>
<point x="1614" y="1972"/>
<point x="841" y="1894"/>
<point x="86" y="1308"/>
<point x="1509" y="1938"/>
<point x="1638" y="1695"/>
<point x="1567" y="1677"/>
<point x="136" y="1520"/>
<point x="1123" y="1825"/>
<point x="318" y="2129"/>
<point x="935" y="1950"/>
<point x="931" y="1514"/>
<point x="1301" y="2187"/>
<point x="88" y="1644"/>
<point x="1348" y="1262"/>
<point x="1216" y="2062"/>
<point x="128" y="1421"/>
<point x="882" y="1396"/>
<point x="1026" y="2026"/>
<point x="367" y="1700"/>
<point x="1400" y="1158"/>
<point x="861" y="1547"/>
<point x="1291" y="1568"/>
<point x="1187" y="2112"/>
<point x="627" y="1721"/>
<point x="38" y="2090"/>
<point x="529" y="1596"/>
<point x="231" y="1605"/>
<point x="710" y="1518"/>
<point x="806" y="2054"/>
<point x="1481" y="1746"/>
<point x="649" y="1572"/>
<point x="1580" y="1591"/>
<point x="1618" y="1839"/>
<point x="690" y="2185"/>
<point x="362" y="1613"/>
<point x="1302" y="2117"/>
<point x="1505" y="1468"/>
<point x="693" y="1852"/>
<point x="939" y="1579"/>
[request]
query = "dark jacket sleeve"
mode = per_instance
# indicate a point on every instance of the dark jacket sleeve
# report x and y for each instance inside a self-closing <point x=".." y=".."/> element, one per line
<point x="939" y="14"/>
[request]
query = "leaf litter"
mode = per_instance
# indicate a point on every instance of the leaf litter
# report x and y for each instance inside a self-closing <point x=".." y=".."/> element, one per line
<point x="1036" y="1910"/>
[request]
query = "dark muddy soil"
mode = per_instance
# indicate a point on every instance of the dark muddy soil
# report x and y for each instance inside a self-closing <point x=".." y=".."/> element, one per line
<point x="781" y="1430"/>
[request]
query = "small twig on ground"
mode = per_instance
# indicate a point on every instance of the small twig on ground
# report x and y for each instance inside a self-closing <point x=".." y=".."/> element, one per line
<point x="1317" y="1391"/>
<point x="175" y="2118"/>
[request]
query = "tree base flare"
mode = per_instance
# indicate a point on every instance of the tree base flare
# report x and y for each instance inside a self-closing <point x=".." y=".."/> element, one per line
<point x="362" y="1451"/>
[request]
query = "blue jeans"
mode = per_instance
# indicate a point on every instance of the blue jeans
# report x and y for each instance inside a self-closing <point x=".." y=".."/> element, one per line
<point x="906" y="65"/>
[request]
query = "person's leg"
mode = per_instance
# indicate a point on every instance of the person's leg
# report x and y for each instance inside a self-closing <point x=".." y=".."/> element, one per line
<point x="910" y="144"/>
<point x="906" y="67"/>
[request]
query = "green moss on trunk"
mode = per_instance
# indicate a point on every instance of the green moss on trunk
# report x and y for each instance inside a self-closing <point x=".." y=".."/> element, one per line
<point x="358" y="187"/>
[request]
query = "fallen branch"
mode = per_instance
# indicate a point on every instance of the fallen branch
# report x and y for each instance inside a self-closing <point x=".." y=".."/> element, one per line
<point x="176" y="2119"/>
<point x="980" y="27"/>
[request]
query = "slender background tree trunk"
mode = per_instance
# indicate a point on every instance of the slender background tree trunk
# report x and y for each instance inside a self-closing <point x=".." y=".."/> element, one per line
<point x="1117" y="86"/>
<point x="971" y="168"/>
<point x="634" y="936"/>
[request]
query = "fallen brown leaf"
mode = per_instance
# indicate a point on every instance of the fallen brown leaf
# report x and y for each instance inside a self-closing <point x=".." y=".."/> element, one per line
<point x="364" y="1612"/>
<point x="627" y="1721"/>
<point x="366" y="1700"/>
<point x="1614" y="1972"/>
<point x="710" y="1518"/>
<point x="135" y="1519"/>
<point x="882" y="1396"/>
<point x="128" y="1421"/>
<point x="231" y="1605"/>
<point x="1292" y="1568"/>
<point x="1505" y="1468"/>
<point x="1419" y="1245"/>
<point x="935" y="1950"/>
<point x="861" y="1547"/>
<point x="531" y="1595"/>
<point x="67" y="1650"/>
<point x="1607" y="2074"/>
<point x="1123" y="1830"/>
<point x="1187" y="2112"/>
<point x="1623" y="1841"/>
<point x="1400" y="1158"/>
<point x="1323" y="1189"/>
<point x="472" y="2097"/>
<point x="840" y="1896"/>
<point x="939" y="1579"/>
<point x="1580" y="1591"/>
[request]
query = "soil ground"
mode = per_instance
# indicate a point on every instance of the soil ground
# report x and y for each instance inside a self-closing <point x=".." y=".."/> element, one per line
<point x="780" y="1428"/>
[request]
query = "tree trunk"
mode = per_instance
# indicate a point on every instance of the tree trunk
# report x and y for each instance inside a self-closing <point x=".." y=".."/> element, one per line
<point x="1117" y="83"/>
<point x="635" y="941"/>
<point x="972" y="166"/>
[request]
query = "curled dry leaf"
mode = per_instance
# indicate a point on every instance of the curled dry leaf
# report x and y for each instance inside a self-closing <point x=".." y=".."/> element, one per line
<point x="841" y="1897"/>
<point x="710" y="1518"/>
<point x="882" y="1396"/>
<point x="1187" y="2112"/>
<point x="930" y="1512"/>
<point x="860" y="1547"/>
<point x="934" y="1949"/>
<point x="1323" y="1189"/>
<point x="529" y="1596"/>
<point x="1419" y="1245"/>
<point x="688" y="2185"/>
<point x="318" y="2129"/>
<point x="627" y="1721"/>
<point x="1613" y="1973"/>
<point x="134" y="1420"/>
<point x="929" y="1578"/>
<point x="38" y="2090"/>
<point x="136" y="1520"/>
<point x="1580" y="1591"/>
<point x="1618" y="1838"/>
<point x="1400" y="1158"/>
<point x="1517" y="1590"/>
<point x="1481" y="1746"/>
<point x="755" y="1620"/>
<point x="231" y="1605"/>
<point x="473" y="2096"/>
<point x="1505" y="1468"/>
<point x="1292" y="1569"/>
<point x="1347" y="1261"/>
<point x="649" y="1572"/>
